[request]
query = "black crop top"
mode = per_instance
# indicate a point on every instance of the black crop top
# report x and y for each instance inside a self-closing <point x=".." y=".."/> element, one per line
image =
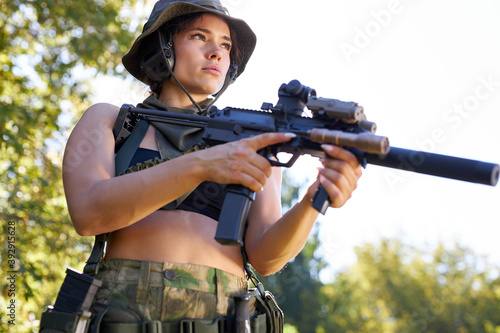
<point x="206" y="199"/>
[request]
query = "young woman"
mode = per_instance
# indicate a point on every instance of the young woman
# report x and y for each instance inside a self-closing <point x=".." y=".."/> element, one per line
<point x="164" y="264"/>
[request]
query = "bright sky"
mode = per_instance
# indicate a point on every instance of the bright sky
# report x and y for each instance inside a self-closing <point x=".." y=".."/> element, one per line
<point x="427" y="72"/>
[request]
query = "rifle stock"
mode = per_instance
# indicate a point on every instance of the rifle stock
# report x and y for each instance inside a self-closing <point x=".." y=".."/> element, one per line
<point x="332" y="121"/>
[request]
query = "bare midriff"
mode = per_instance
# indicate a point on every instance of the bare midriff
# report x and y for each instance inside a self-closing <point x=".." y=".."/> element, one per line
<point x="175" y="236"/>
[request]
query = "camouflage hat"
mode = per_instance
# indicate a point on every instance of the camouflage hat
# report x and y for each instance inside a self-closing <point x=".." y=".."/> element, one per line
<point x="166" y="10"/>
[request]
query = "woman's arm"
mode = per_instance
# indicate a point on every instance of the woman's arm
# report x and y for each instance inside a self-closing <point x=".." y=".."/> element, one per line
<point x="270" y="245"/>
<point x="99" y="202"/>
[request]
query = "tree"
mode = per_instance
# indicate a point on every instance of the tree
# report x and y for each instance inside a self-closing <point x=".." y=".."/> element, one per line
<point x="397" y="288"/>
<point x="49" y="49"/>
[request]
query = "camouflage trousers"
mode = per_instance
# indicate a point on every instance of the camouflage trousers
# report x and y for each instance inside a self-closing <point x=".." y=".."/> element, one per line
<point x="169" y="292"/>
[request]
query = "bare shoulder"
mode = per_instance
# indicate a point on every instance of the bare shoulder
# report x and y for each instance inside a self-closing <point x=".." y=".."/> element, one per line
<point x="98" y="119"/>
<point x="103" y="108"/>
<point x="91" y="142"/>
<point x="102" y="112"/>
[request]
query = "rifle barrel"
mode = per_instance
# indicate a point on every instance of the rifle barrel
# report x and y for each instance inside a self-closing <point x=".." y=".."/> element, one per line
<point x="438" y="165"/>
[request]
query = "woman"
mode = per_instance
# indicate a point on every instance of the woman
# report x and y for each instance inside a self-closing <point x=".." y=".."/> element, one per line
<point x="151" y="250"/>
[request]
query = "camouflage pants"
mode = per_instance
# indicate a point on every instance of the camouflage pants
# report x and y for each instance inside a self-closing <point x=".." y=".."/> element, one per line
<point x="168" y="292"/>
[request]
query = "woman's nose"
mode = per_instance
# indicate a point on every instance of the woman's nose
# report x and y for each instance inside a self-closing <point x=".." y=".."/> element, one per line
<point x="214" y="52"/>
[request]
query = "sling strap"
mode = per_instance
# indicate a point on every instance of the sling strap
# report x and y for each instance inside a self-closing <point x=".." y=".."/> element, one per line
<point x="92" y="266"/>
<point x="264" y="298"/>
<point x="126" y="152"/>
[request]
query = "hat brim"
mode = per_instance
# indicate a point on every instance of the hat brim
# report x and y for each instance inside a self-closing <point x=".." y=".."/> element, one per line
<point x="246" y="37"/>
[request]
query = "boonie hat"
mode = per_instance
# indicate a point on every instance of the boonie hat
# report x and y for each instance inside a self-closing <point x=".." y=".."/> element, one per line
<point x="166" y="10"/>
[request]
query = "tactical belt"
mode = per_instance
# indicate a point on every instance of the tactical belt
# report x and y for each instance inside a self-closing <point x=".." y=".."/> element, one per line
<point x="219" y="325"/>
<point x="66" y="322"/>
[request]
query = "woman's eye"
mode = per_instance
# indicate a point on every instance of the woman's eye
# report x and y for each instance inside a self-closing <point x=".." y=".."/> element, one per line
<point x="198" y="36"/>
<point x="226" y="46"/>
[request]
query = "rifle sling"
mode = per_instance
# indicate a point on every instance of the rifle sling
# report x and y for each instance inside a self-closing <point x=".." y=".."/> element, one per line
<point x="126" y="152"/>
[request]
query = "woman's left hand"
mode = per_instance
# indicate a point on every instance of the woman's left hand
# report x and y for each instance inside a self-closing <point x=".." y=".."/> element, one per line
<point x="339" y="175"/>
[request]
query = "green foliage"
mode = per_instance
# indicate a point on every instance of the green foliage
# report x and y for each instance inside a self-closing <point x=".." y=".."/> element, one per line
<point x="296" y="288"/>
<point x="290" y="329"/>
<point x="396" y="288"/>
<point x="289" y="190"/>
<point x="48" y="49"/>
<point x="392" y="288"/>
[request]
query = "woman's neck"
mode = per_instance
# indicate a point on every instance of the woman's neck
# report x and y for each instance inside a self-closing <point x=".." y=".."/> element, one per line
<point x="174" y="96"/>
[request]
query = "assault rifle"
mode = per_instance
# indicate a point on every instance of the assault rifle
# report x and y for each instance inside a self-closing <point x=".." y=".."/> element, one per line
<point x="333" y="121"/>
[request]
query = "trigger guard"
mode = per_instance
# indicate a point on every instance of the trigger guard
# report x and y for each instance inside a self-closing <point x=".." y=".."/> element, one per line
<point x="273" y="158"/>
<point x="286" y="164"/>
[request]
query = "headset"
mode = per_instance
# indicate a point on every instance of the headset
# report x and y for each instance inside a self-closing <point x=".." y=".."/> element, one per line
<point x="158" y="59"/>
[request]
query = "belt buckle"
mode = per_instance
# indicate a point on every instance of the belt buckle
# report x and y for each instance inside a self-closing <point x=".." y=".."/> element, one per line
<point x="151" y="326"/>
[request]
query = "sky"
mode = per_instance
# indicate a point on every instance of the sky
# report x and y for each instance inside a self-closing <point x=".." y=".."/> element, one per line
<point x="427" y="72"/>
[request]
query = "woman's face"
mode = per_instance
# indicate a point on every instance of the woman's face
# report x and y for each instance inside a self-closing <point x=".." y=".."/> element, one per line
<point x="202" y="55"/>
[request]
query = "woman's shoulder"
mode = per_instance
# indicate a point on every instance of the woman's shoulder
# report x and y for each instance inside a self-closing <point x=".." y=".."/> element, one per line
<point x="102" y="110"/>
<point x="96" y="122"/>
<point x="100" y="115"/>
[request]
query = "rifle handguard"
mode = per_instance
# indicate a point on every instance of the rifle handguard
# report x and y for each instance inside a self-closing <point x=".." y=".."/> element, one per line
<point x="367" y="142"/>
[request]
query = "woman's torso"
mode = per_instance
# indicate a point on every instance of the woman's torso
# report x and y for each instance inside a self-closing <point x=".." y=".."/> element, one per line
<point x="174" y="235"/>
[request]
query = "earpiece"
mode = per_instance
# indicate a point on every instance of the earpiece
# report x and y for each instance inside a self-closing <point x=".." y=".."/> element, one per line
<point x="158" y="61"/>
<point x="167" y="48"/>
<point x="232" y="72"/>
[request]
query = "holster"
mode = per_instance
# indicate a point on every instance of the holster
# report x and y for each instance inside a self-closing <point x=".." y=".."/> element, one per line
<point x="267" y="305"/>
<point x="71" y="311"/>
<point x="53" y="321"/>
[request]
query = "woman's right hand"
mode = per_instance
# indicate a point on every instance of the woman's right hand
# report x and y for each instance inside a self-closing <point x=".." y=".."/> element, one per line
<point x="238" y="162"/>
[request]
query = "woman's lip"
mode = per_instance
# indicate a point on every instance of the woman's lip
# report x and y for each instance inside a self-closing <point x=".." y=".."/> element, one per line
<point x="212" y="69"/>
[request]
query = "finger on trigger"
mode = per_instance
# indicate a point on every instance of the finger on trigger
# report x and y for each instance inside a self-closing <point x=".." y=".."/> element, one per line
<point x="268" y="139"/>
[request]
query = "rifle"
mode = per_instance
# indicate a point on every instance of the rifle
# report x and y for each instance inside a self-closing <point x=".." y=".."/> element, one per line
<point x="332" y="121"/>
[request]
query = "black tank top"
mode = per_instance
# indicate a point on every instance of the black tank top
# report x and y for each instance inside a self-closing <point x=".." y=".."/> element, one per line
<point x="206" y="199"/>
